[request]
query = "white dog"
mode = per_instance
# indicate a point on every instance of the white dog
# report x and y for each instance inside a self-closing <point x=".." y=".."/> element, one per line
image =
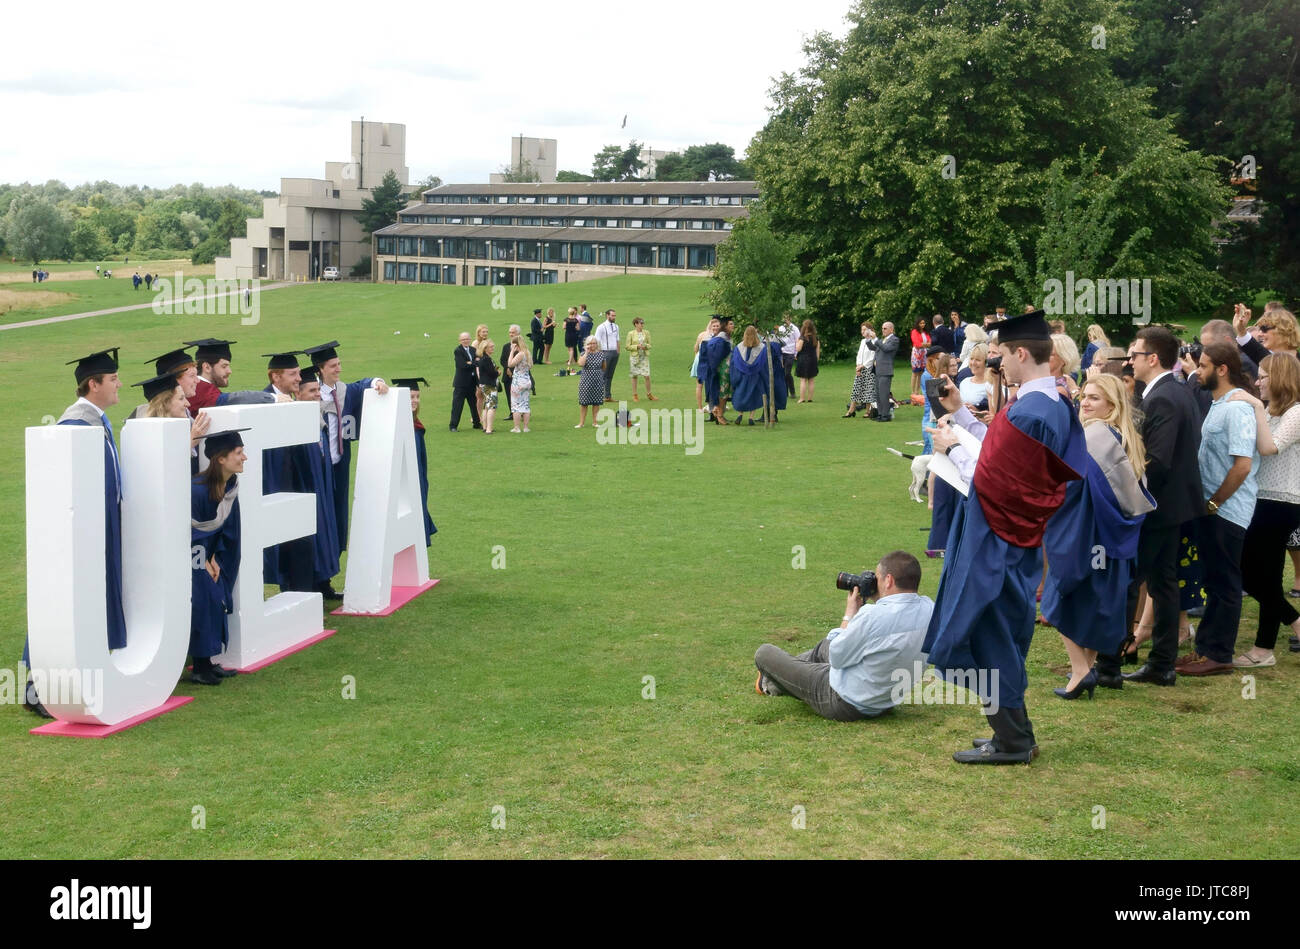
<point x="920" y="474"/>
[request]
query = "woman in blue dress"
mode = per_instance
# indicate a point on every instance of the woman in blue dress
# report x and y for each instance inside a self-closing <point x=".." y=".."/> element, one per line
<point x="1085" y="594"/>
<point x="215" y="548"/>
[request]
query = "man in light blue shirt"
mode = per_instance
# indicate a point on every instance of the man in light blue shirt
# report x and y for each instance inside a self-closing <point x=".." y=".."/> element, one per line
<point x="851" y="674"/>
<point x="1228" y="460"/>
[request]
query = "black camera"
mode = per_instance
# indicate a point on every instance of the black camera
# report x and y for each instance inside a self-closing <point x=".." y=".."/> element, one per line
<point x="864" y="581"/>
<point x="935" y="388"/>
<point x="993" y="363"/>
<point x="1191" y="349"/>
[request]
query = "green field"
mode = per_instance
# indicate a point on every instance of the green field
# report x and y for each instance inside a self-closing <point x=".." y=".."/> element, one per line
<point x="523" y="687"/>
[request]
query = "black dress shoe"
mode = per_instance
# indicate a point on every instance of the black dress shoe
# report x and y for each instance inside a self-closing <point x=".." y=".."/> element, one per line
<point x="205" y="677"/>
<point x="451" y="429"/>
<point x="1110" y="681"/>
<point x="1154" y="676"/>
<point x="327" y="591"/>
<point x="981" y="742"/>
<point x="32" y="702"/>
<point x="988" y="754"/>
<point x="221" y="672"/>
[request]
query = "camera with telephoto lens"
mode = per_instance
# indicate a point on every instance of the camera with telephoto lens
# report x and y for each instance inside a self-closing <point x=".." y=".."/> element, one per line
<point x="1191" y="349"/>
<point x="993" y="363"/>
<point x="864" y="581"/>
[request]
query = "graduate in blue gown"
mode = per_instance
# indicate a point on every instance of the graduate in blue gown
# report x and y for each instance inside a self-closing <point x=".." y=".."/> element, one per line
<point x="215" y="546"/>
<point x="778" y="394"/>
<point x="748" y="374"/>
<point x="278" y="474"/>
<point x="317" y="475"/>
<point x="97" y="390"/>
<point x="983" y="618"/>
<point x="341" y="404"/>
<point x="713" y="353"/>
<point x="1085" y="595"/>
<point x="421" y="458"/>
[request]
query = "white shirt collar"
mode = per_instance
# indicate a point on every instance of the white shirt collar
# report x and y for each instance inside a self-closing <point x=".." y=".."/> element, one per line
<point x="1045" y="385"/>
<point x="92" y="405"/>
<point x="1152" y="384"/>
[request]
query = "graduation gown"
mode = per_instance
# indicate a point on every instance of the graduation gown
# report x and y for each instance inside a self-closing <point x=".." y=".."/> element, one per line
<point x="984" y="613"/>
<point x="277" y="475"/>
<point x="214" y="527"/>
<point x="83" y="413"/>
<point x="347" y="399"/>
<point x="779" y="394"/>
<point x="1086" y="593"/>
<point x="748" y="378"/>
<point x="422" y="464"/>
<point x="713" y="353"/>
<point x="319" y="474"/>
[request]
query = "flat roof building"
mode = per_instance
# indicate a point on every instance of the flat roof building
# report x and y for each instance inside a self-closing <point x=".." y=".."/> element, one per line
<point x="532" y="233"/>
<point x="314" y="223"/>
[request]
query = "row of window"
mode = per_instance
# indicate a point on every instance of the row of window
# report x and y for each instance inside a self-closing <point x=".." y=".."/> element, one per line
<point x="558" y="252"/>
<point x="663" y="199"/>
<point x="671" y="224"/>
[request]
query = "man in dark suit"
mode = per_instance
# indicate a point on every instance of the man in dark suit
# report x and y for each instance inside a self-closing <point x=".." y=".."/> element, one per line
<point x="943" y="336"/>
<point x="463" y="386"/>
<point x="537" y="335"/>
<point x="1171" y="432"/>
<point x="885" y="349"/>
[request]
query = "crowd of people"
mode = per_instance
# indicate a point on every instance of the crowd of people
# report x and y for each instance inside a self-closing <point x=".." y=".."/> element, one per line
<point x="183" y="386"/>
<point x="1100" y="485"/>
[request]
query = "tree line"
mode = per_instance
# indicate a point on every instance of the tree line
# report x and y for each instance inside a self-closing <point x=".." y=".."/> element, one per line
<point x="103" y="220"/>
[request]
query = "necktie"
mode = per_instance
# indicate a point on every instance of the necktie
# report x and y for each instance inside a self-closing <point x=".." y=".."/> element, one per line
<point x="117" y="467"/>
<point x="339" y="414"/>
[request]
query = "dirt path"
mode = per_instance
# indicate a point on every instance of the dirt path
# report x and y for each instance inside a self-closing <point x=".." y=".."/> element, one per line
<point x="123" y="309"/>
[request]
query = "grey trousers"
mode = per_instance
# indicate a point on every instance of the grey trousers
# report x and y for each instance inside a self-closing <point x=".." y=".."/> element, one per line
<point x="807" y="677"/>
<point x="611" y="363"/>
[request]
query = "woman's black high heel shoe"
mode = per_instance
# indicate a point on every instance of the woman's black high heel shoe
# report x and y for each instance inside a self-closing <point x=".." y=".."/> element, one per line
<point x="1088" y="683"/>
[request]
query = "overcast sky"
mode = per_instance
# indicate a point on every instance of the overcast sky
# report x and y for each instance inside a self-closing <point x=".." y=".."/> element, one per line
<point x="245" y="93"/>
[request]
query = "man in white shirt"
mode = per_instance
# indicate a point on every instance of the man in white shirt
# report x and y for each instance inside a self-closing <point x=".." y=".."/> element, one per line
<point x="852" y="673"/>
<point x="788" y="334"/>
<point x="608" y="336"/>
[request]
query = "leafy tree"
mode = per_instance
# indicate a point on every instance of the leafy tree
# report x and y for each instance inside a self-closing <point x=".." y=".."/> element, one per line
<point x="756" y="278"/>
<point x="524" y="172"/>
<point x="427" y="183"/>
<point x="380" y="209"/>
<point x="116" y="222"/>
<point x="1224" y="69"/>
<point x="715" y="162"/>
<point x="911" y="161"/>
<point x="34" y="229"/>
<point x="362" y="267"/>
<point x="613" y="163"/>
<point x="88" y="241"/>
<point x="572" y="176"/>
<point x="231" y="224"/>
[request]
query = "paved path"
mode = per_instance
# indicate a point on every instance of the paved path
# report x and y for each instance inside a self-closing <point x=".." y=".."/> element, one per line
<point x="176" y="302"/>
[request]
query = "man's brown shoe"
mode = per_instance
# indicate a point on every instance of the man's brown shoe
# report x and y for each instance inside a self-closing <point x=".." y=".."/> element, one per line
<point x="1187" y="660"/>
<point x="1206" y="667"/>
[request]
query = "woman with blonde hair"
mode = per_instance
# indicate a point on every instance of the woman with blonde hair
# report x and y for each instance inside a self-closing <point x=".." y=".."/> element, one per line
<point x="1085" y="595"/>
<point x="480" y="337"/>
<point x="548" y="335"/>
<point x="521" y="384"/>
<point x="488" y="375"/>
<point x="1096" y="340"/>
<point x="591" y="384"/>
<point x="571" y="339"/>
<point x="1064" y="364"/>
<point x="975" y="336"/>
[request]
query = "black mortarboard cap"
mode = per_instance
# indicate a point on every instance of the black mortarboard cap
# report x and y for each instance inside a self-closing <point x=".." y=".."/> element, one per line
<point x="536" y="311"/>
<point x="322" y="353"/>
<point x="934" y="351"/>
<point x="282" y="360"/>
<point x="309" y="374"/>
<point x="152" y="387"/>
<point x="173" y="361"/>
<point x="103" y="361"/>
<point x="1026" y="326"/>
<point x="215" y="443"/>
<point x="413" y="383"/>
<point x="210" y="350"/>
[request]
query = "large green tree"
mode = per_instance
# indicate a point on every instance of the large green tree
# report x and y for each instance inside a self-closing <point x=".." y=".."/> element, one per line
<point x="34" y="229"/>
<point x="1226" y="71"/>
<point x="88" y="241"/>
<point x="380" y="209"/>
<point x="714" y="162"/>
<point x="615" y="163"/>
<point x="911" y="161"/>
<point x="756" y="278"/>
<point x="232" y="223"/>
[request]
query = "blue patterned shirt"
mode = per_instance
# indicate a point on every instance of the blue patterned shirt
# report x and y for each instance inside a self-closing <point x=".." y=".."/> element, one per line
<point x="1227" y="433"/>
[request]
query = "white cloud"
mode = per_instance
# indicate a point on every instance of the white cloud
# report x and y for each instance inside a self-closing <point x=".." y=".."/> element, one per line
<point x="249" y="92"/>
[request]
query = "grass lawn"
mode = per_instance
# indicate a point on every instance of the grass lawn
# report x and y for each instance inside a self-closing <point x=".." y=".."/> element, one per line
<point x="523" y="687"/>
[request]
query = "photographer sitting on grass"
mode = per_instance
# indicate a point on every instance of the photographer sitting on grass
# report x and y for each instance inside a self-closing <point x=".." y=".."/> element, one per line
<point x="849" y="675"/>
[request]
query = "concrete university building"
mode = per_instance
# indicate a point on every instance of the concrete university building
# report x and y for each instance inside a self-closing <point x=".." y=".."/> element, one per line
<point x="314" y="224"/>
<point x="526" y="234"/>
